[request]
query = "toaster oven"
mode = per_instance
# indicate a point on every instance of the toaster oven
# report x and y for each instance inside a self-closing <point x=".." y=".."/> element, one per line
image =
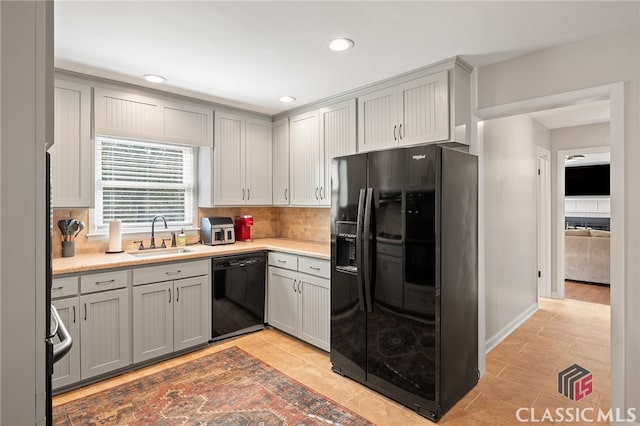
<point x="217" y="230"/>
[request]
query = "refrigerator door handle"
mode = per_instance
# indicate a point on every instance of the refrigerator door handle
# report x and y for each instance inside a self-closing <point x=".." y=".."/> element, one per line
<point x="359" y="244"/>
<point x="366" y="238"/>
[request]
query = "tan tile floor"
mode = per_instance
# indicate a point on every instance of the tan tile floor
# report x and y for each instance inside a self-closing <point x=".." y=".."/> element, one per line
<point x="521" y="371"/>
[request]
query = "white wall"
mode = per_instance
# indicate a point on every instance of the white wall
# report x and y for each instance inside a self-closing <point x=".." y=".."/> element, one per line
<point x="596" y="61"/>
<point x="510" y="246"/>
<point x="587" y="136"/>
<point x="22" y="219"/>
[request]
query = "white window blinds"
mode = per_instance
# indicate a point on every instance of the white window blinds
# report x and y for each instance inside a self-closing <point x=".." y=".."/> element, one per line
<point x="136" y="181"/>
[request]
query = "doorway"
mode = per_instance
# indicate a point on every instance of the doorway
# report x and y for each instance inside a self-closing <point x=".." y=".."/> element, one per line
<point x="583" y="246"/>
<point x="615" y="94"/>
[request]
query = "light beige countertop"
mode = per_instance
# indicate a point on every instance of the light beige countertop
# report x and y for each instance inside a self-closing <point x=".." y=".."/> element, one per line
<point x="96" y="261"/>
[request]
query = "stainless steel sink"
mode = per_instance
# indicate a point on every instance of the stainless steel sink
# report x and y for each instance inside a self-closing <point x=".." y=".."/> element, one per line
<point x="159" y="252"/>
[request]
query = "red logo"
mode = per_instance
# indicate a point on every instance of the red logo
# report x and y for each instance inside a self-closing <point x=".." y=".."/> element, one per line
<point x="575" y="382"/>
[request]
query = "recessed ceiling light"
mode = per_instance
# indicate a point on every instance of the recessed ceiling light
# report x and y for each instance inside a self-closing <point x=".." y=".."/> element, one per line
<point x="154" y="78"/>
<point x="287" y="99"/>
<point x="340" y="44"/>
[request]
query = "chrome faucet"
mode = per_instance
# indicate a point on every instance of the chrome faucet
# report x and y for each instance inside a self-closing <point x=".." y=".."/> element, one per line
<point x="153" y="236"/>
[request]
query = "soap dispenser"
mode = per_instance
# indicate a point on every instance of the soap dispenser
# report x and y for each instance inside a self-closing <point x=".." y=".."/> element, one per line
<point x="182" y="239"/>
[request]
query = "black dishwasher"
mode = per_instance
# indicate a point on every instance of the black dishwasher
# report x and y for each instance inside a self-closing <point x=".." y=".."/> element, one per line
<point x="238" y="294"/>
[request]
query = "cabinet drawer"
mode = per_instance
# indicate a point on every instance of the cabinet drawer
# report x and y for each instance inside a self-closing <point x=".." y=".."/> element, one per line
<point x="313" y="266"/>
<point x="101" y="282"/>
<point x="170" y="272"/>
<point x="63" y="287"/>
<point x="282" y="260"/>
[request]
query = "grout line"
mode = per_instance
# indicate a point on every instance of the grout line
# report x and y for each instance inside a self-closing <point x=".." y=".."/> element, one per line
<point x="472" y="401"/>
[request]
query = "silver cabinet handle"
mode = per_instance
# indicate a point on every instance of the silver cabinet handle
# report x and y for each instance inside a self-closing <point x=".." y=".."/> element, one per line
<point x="85" y="311"/>
<point x="178" y="294"/>
<point x="282" y="261"/>
<point x="400" y="132"/>
<point x="169" y="290"/>
<point x="294" y="286"/>
<point x="322" y="192"/>
<point x="173" y="272"/>
<point x="394" y="132"/>
<point x="74" y="313"/>
<point x="314" y="268"/>
<point x="242" y="193"/>
<point x="316" y="192"/>
<point x="104" y="282"/>
<point x="248" y="194"/>
<point x="57" y="289"/>
<point x="285" y="194"/>
<point x="299" y="288"/>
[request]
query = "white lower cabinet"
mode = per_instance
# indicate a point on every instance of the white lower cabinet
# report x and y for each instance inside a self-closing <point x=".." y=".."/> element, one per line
<point x="98" y="321"/>
<point x="169" y="316"/>
<point x="170" y="308"/>
<point x="299" y="303"/>
<point x="67" y="370"/>
<point x="104" y="332"/>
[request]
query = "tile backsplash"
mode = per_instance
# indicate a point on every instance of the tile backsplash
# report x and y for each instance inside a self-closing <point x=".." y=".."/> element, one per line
<point x="82" y="245"/>
<point x="310" y="224"/>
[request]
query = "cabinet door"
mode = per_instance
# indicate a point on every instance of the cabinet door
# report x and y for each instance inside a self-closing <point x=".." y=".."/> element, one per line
<point x="314" y="310"/>
<point x="258" y="162"/>
<point x="424" y="109"/>
<point x="152" y="320"/>
<point x="305" y="159"/>
<point x="378" y="120"/>
<point x="337" y="137"/>
<point x="228" y="154"/>
<point x="283" y="300"/>
<point x="281" y="162"/>
<point x="67" y="370"/>
<point x="104" y="332"/>
<point x="71" y="153"/>
<point x="191" y="312"/>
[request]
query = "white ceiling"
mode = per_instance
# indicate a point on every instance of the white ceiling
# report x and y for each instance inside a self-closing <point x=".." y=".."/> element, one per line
<point x="247" y="54"/>
<point x="574" y="115"/>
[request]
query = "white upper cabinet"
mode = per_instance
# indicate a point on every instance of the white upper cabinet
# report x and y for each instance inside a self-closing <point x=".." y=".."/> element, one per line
<point x="258" y="162"/>
<point x="228" y="176"/>
<point x="281" y="193"/>
<point x="71" y="153"/>
<point x="143" y="117"/>
<point x="337" y="138"/>
<point x="424" y="110"/>
<point x="378" y="120"/>
<point x="409" y="113"/>
<point x="305" y="159"/>
<point x="242" y="161"/>
<point x="316" y="137"/>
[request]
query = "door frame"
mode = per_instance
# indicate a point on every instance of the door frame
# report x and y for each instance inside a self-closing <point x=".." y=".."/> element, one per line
<point x="614" y="92"/>
<point x="543" y="221"/>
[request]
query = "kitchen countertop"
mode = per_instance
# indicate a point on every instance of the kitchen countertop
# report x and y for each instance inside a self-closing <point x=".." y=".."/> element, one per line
<point x="97" y="261"/>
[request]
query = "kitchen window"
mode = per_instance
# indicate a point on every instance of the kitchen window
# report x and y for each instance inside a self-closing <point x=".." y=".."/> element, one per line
<point x="137" y="180"/>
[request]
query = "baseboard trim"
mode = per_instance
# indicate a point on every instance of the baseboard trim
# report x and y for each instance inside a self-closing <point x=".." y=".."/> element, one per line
<point x="510" y="328"/>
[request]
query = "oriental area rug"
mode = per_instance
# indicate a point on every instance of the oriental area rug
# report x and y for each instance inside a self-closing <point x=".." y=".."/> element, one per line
<point x="230" y="387"/>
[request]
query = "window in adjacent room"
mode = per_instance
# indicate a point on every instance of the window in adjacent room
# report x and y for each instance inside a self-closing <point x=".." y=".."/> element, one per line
<point x="137" y="180"/>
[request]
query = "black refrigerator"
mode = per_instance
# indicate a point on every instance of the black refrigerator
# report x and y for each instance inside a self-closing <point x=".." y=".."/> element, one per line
<point x="404" y="298"/>
<point x="58" y="341"/>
